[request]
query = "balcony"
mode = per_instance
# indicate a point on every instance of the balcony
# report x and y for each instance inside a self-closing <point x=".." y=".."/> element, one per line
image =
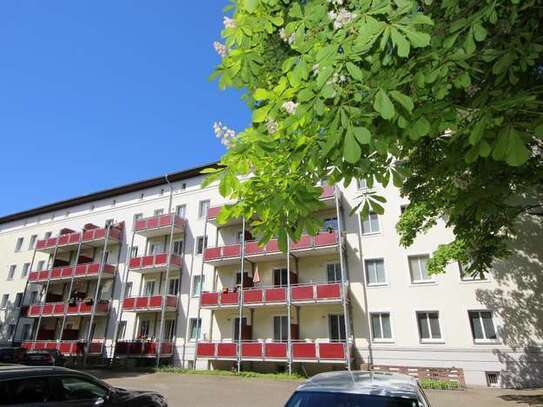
<point x="159" y="225"/>
<point x="155" y="263"/>
<point x="69" y="241"/>
<point x="150" y="303"/>
<point x="318" y="293"/>
<point x="142" y="349"/>
<point x="57" y="309"/>
<point x="323" y="243"/>
<point x="81" y="271"/>
<point x="318" y="352"/>
<point x="67" y="348"/>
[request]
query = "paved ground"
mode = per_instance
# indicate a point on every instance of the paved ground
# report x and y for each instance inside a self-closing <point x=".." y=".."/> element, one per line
<point x="193" y="390"/>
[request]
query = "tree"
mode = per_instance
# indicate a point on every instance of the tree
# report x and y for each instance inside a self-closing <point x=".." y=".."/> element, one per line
<point x="443" y="98"/>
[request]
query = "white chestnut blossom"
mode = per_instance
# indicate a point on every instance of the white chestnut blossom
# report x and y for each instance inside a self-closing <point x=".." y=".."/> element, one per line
<point x="336" y="2"/>
<point x="285" y="37"/>
<point x="290" y="107"/>
<point x="229" y="22"/>
<point x="271" y="126"/>
<point x="341" y="17"/>
<point x="223" y="133"/>
<point x="315" y="69"/>
<point x="221" y="49"/>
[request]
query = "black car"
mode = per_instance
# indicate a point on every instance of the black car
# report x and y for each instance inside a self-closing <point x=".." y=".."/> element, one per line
<point x="12" y="354"/>
<point x="44" y="358"/>
<point x="30" y="386"/>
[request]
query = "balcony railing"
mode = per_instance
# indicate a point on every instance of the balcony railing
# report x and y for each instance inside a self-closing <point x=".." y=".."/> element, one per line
<point x="69" y="240"/>
<point x="57" y="309"/>
<point x="300" y="294"/>
<point x="262" y="350"/>
<point x="69" y="348"/>
<point x="159" y="225"/>
<point x="323" y="240"/>
<point x="89" y="270"/>
<point x="149" y="303"/>
<point x="154" y="263"/>
<point x="139" y="349"/>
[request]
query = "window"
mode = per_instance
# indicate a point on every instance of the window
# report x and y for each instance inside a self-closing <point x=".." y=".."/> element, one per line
<point x="158" y="212"/>
<point x="173" y="288"/>
<point x="362" y="184"/>
<point x="375" y="272"/>
<point x="109" y="223"/>
<point x="195" y="325"/>
<point x="178" y="247"/>
<point x="280" y="277"/>
<point x="155" y="248"/>
<point x="169" y="329"/>
<point x="370" y="224"/>
<point x="200" y="244"/>
<point x="429" y="329"/>
<point x="18" y="299"/>
<point x="41" y="265"/>
<point x="336" y="325"/>
<point x="330" y="224"/>
<point x="137" y="217"/>
<point x="11" y="331"/>
<point x="465" y="276"/>
<point x="47" y="235"/>
<point x="133" y="252"/>
<point x="75" y="388"/>
<point x="32" y="242"/>
<point x="122" y="330"/>
<point x="32" y="391"/>
<point x="128" y="289"/>
<point x="403" y="208"/>
<point x="203" y="206"/>
<point x="33" y="297"/>
<point x="181" y="210"/>
<point x="197" y="284"/>
<point x="492" y="379"/>
<point x="149" y="288"/>
<point x="4" y="302"/>
<point x="145" y="326"/>
<point x="418" y="269"/>
<point x="333" y="272"/>
<point x="11" y="271"/>
<point x="24" y="271"/>
<point x="280" y="328"/>
<point x="19" y="244"/>
<point x="380" y="326"/>
<point x="27" y="331"/>
<point x="482" y="326"/>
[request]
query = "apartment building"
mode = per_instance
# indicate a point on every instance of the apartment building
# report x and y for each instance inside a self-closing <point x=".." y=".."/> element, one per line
<point x="143" y="273"/>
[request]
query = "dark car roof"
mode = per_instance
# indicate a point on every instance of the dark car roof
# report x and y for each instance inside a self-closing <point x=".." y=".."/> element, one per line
<point x="363" y="382"/>
<point x="20" y="371"/>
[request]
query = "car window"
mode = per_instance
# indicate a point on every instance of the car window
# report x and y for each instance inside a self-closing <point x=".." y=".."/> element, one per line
<point x="29" y="391"/>
<point x="75" y="388"/>
<point x="326" y="399"/>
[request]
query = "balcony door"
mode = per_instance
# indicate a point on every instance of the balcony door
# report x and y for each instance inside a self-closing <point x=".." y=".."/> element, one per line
<point x="280" y="277"/>
<point x="149" y="288"/>
<point x="243" y="328"/>
<point x="169" y="329"/>
<point x="144" y="330"/>
<point x="336" y="326"/>
<point x="280" y="328"/>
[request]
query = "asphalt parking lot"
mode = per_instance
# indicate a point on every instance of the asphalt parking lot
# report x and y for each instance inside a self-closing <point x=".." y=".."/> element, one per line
<point x="217" y="391"/>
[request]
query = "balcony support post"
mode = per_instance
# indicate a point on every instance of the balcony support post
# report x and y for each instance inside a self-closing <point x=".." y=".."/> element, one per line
<point x="289" y="311"/>
<point x="240" y="295"/>
<point x="19" y="316"/>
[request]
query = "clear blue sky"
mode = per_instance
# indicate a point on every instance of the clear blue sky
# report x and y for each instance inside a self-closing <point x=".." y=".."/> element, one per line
<point x="95" y="94"/>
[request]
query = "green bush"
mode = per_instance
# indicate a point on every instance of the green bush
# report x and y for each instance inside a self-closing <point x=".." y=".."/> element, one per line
<point x="247" y="374"/>
<point x="435" y="384"/>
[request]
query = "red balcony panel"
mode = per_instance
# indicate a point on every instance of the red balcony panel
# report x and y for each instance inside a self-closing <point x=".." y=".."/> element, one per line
<point x="72" y="309"/>
<point x="135" y="262"/>
<point x="34" y="310"/>
<point x="326" y="239"/>
<point x="80" y="270"/>
<point x="148" y="261"/>
<point x="135" y="348"/>
<point x="26" y="345"/>
<point x="229" y="298"/>
<point x="102" y="307"/>
<point x="121" y="347"/>
<point x="66" y="347"/>
<point x="212" y="213"/>
<point x="56" y="273"/>
<point x="212" y="253"/>
<point x="303" y="243"/>
<point x="152" y="223"/>
<point x="331" y="350"/>
<point x="33" y="276"/>
<point x="150" y="348"/>
<point x="171" y="301"/>
<point x="41" y="244"/>
<point x="129" y="303"/>
<point x="63" y="239"/>
<point x="302" y="293"/>
<point x="165" y="220"/>
<point x="47" y="309"/>
<point x="272" y="246"/>
<point x="51" y="242"/>
<point x="225" y="350"/>
<point x="85" y="308"/>
<point x="161" y="259"/>
<point x="50" y="345"/>
<point x="327" y="191"/>
<point x="93" y="268"/>
<point x="155" y="301"/>
<point x="253" y="296"/>
<point x="325" y="291"/>
<point x="95" y="347"/>
<point x="140" y="224"/>
<point x="88" y="235"/>
<point x="252" y="248"/>
<point x="304" y="350"/>
<point x="109" y="268"/>
<point x="251" y="350"/>
<point x="166" y="348"/>
<point x="231" y="250"/>
<point x="74" y="238"/>
<point x="209" y="299"/>
<point x="142" y="302"/>
<point x="206" y="349"/>
<point x="59" y="309"/>
<point x="175" y="260"/>
<point x="39" y="345"/>
<point x="275" y="350"/>
<point x="66" y="272"/>
<point x="44" y="275"/>
<point x="99" y="233"/>
<point x="277" y="294"/>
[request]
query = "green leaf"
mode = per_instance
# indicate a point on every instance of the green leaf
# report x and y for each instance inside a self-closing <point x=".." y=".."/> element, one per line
<point x="402" y="45"/>
<point x="383" y="105"/>
<point x="351" y="149"/>
<point x="260" y="94"/>
<point x="418" y="39"/>
<point x="421" y="127"/>
<point x="250" y="5"/>
<point x="305" y="95"/>
<point x="259" y="115"/>
<point x="517" y="153"/>
<point x="362" y="134"/>
<point x="355" y="71"/>
<point x="403" y="100"/>
<point x="479" y="32"/>
<point x="539" y="131"/>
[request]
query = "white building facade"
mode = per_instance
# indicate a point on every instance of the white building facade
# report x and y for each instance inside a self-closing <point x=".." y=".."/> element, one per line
<point x="144" y="273"/>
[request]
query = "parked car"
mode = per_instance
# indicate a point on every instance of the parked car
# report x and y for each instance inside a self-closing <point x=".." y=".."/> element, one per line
<point x="12" y="354"/>
<point x="359" y="388"/>
<point x="53" y="386"/>
<point x="50" y="357"/>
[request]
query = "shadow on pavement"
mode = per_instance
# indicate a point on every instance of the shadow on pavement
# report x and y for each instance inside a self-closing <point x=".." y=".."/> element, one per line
<point x="531" y="400"/>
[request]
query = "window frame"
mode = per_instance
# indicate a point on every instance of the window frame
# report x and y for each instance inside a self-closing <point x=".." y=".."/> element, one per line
<point x="483" y="329"/>
<point x="184" y="210"/>
<point x="25" y="270"/>
<point x="380" y="314"/>
<point x="201" y="280"/>
<point x="4" y="301"/>
<point x="366" y="276"/>
<point x="32" y="242"/>
<point x="431" y="339"/>
<point x="198" y="322"/>
<point x="429" y="280"/>
<point x="204" y="240"/>
<point x="337" y="272"/>
<point x="340" y="326"/>
<point x="19" y="244"/>
<point x="204" y="202"/>
<point x="281" y="317"/>
<point x="12" y="270"/>
<point x="372" y="232"/>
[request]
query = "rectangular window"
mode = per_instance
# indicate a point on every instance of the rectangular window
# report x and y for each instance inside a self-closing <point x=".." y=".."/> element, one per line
<point x="18" y="299"/>
<point x="134" y="252"/>
<point x="403" y="208"/>
<point x="181" y="210"/>
<point x="418" y="269"/>
<point x="333" y="272"/>
<point x="336" y="325"/>
<point x="362" y="184"/>
<point x="4" y="302"/>
<point x="24" y="271"/>
<point x="169" y="329"/>
<point x="155" y="248"/>
<point x="47" y="235"/>
<point x="195" y="325"/>
<point x="330" y="224"/>
<point x="280" y="328"/>
<point x="144" y="330"/>
<point x="32" y="242"/>
<point x="429" y="329"/>
<point x="109" y="222"/>
<point x="375" y="272"/>
<point x="197" y="284"/>
<point x="370" y="224"/>
<point x="178" y="247"/>
<point x="380" y="326"/>
<point x="482" y="326"/>
<point x="149" y="288"/>
<point x="121" y="332"/>
<point x="128" y="289"/>
<point x="465" y="276"/>
<point x="41" y="265"/>
<point x="11" y="271"/>
<point x="203" y="206"/>
<point x="158" y="212"/>
<point x="33" y="297"/>
<point x="19" y="244"/>
<point x="200" y="244"/>
<point x="137" y="217"/>
<point x="27" y="332"/>
<point x="280" y="277"/>
<point x="173" y="288"/>
<point x="11" y="331"/>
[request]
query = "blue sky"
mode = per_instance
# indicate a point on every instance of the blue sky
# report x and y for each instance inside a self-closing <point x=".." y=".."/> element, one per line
<point x="95" y="94"/>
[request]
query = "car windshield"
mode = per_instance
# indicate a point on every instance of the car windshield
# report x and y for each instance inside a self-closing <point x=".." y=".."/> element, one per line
<point x="325" y="399"/>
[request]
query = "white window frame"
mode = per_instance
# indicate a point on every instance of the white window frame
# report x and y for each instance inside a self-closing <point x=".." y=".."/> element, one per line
<point x="470" y="279"/>
<point x="337" y="272"/>
<point x="25" y="270"/>
<point x="382" y="340"/>
<point x="430" y="280"/>
<point x="181" y="210"/>
<point x="154" y="281"/>
<point x="431" y="339"/>
<point x="136" y="217"/>
<point x="201" y="280"/>
<point x="4" y="302"/>
<point x="281" y="317"/>
<point x="32" y="242"/>
<point x="201" y="213"/>
<point x="41" y="265"/>
<point x="12" y="269"/>
<point x="372" y="232"/>
<point x="361" y="184"/>
<point x="178" y="242"/>
<point x="376" y="284"/>
<point x="177" y="286"/>
<point x="197" y="321"/>
<point x="19" y="244"/>
<point x="492" y="317"/>
<point x="158" y="212"/>
<point x="205" y="240"/>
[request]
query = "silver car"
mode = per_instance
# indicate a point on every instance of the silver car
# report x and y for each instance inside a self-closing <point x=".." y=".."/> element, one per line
<point x="359" y="389"/>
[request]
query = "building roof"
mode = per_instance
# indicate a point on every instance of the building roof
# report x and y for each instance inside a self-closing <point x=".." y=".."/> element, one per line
<point x="107" y="193"/>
